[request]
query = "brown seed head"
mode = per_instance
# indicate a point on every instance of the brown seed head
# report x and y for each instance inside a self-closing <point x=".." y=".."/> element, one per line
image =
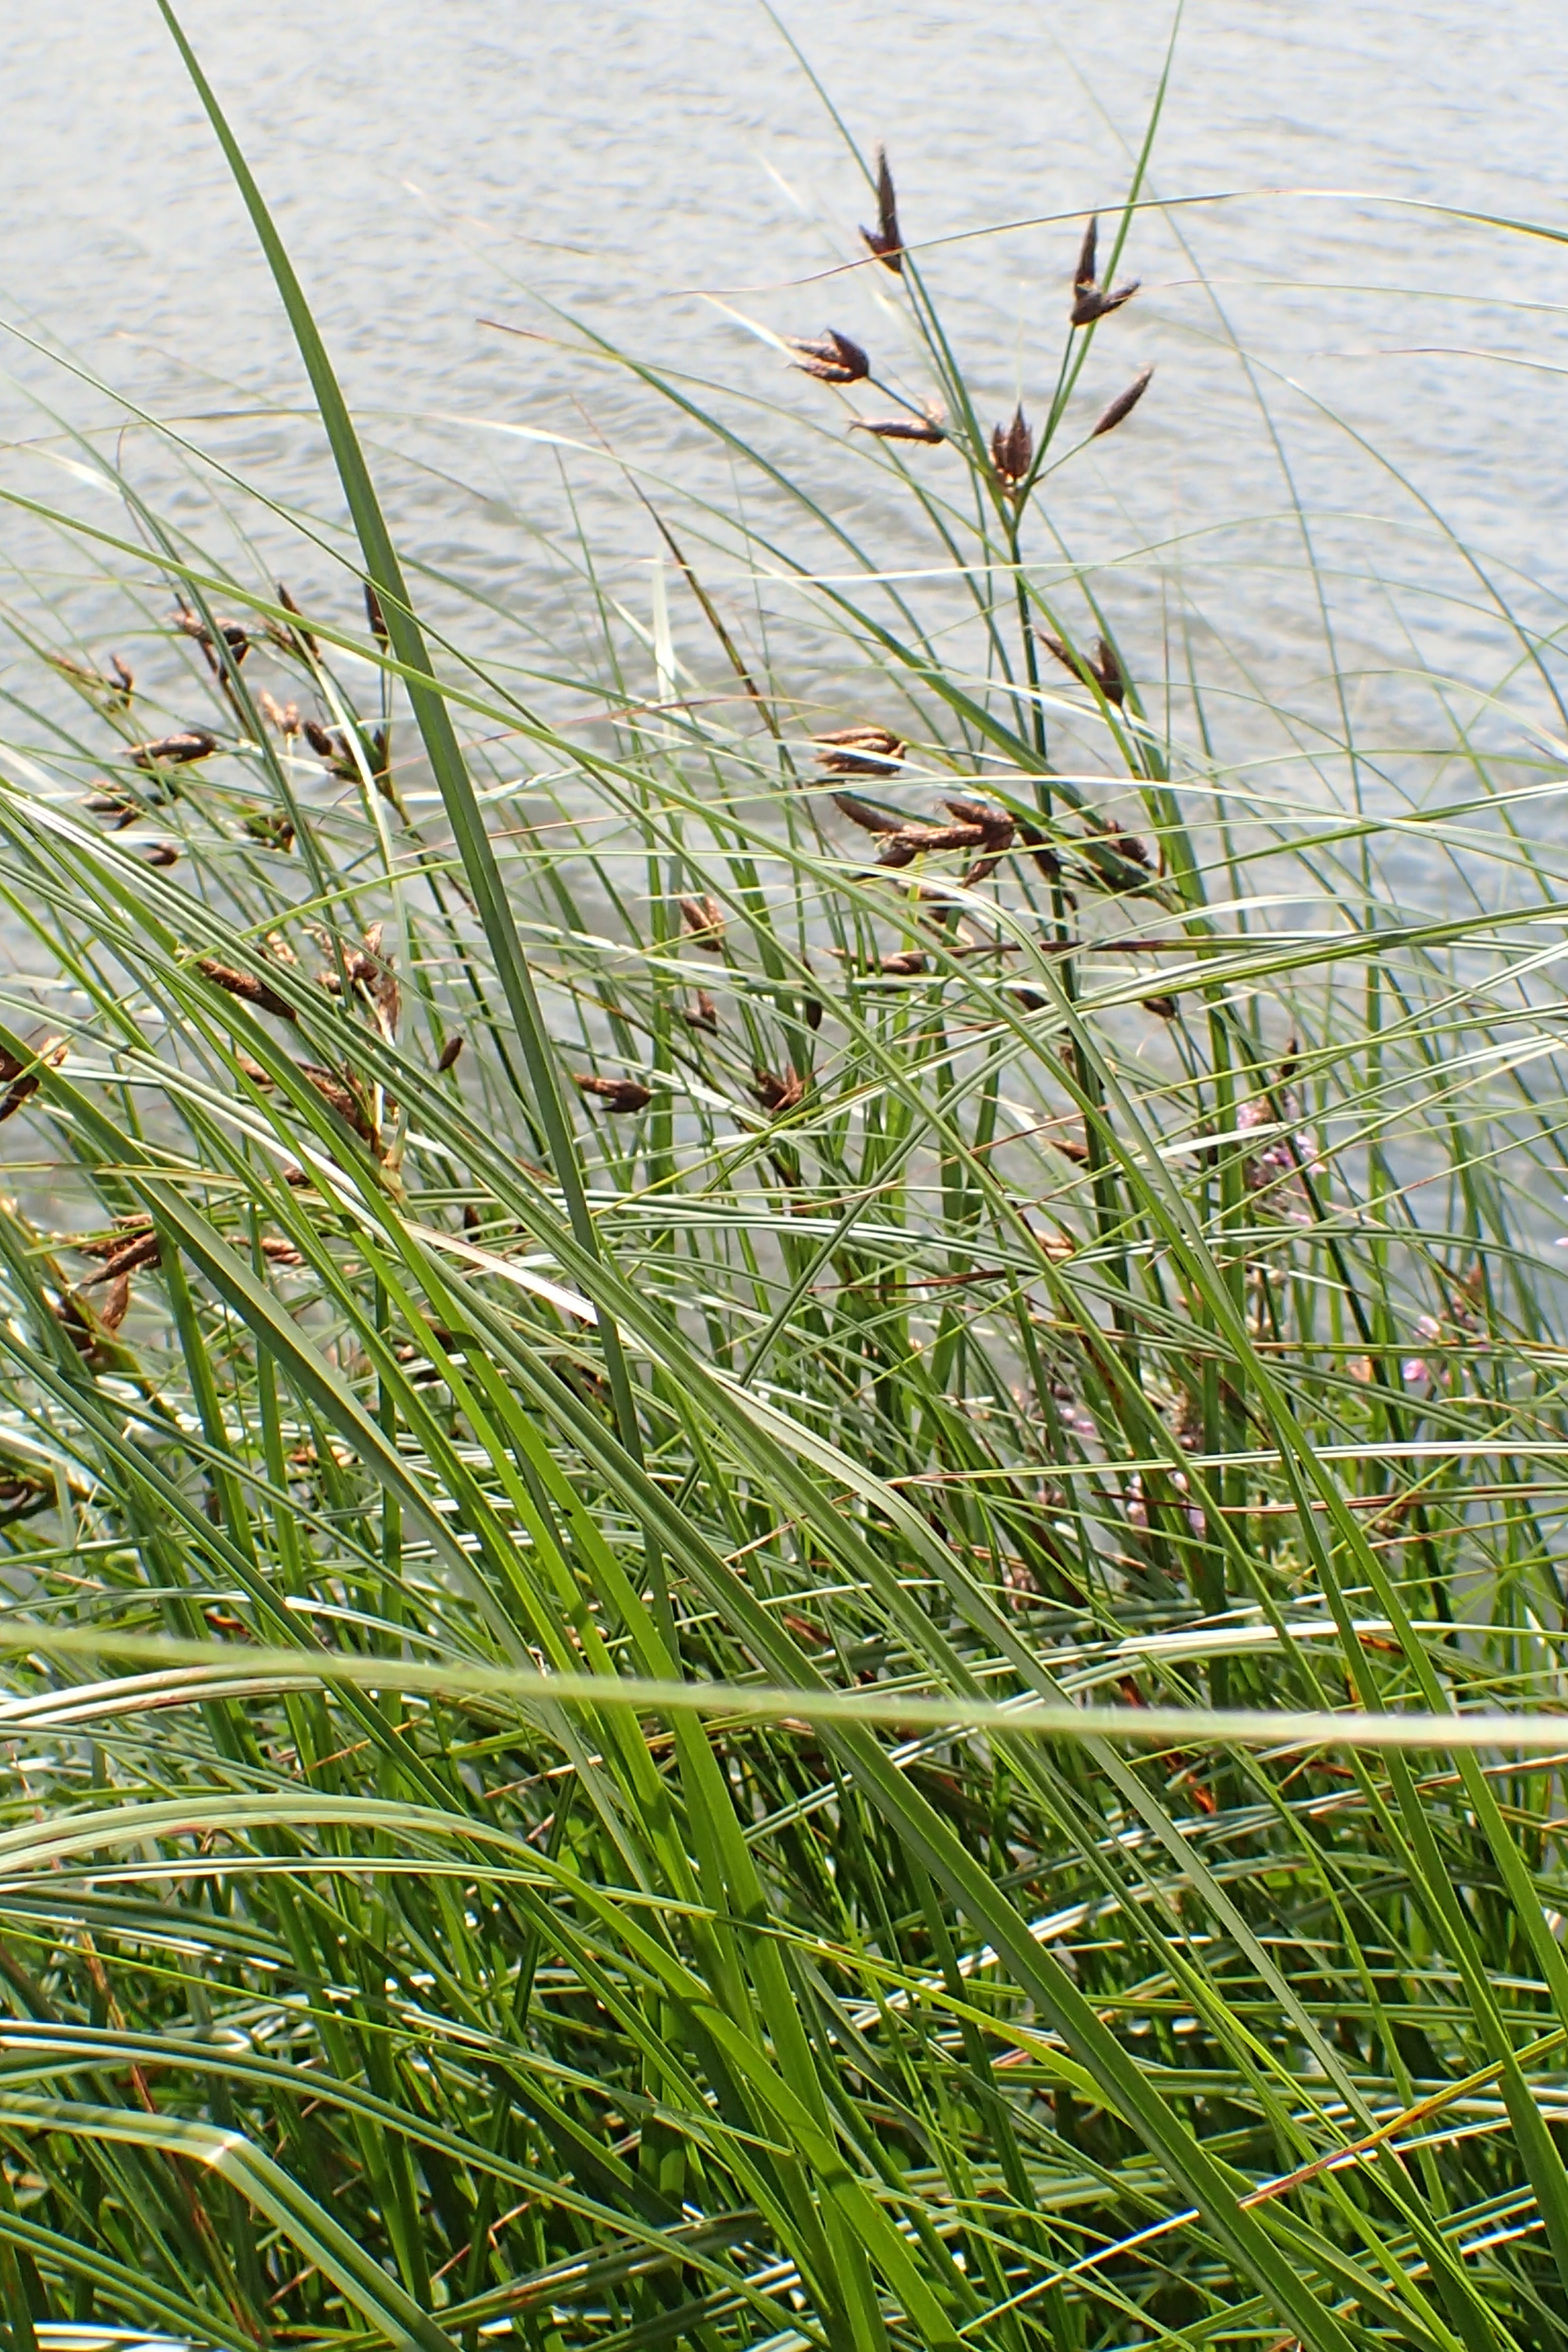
<point x="450" y="1051"/>
<point x="1084" y="274"/>
<point x="870" y="818"/>
<point x="704" y="1016"/>
<point x="859" y="751"/>
<point x="993" y="822"/>
<point x="127" y="1253"/>
<point x="903" y="964"/>
<point x="618" y="1095"/>
<point x="777" y="1095"/>
<point x="245" y="986"/>
<point x="125" y="676"/>
<point x="704" y="921"/>
<point x="280" y="1251"/>
<point x="375" y="616"/>
<point x="21" y="1078"/>
<point x="113" y="804"/>
<point x="886" y="240"/>
<point x="831" y="357"/>
<point x="1089" y="303"/>
<point x="1013" y="452"/>
<point x="1123" y="405"/>
<point x="899" y="428"/>
<point x="1164" y="1006"/>
<point x="343" y="1098"/>
<point x="190" y="743"/>
<point x="299" y="639"/>
<point x="161" y="853"/>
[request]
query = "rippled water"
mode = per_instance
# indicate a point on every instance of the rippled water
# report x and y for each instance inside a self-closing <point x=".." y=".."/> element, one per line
<point x="429" y="166"/>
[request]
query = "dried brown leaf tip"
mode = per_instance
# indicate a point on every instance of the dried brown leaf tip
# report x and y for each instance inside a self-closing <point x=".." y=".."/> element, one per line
<point x="859" y="751"/>
<point x="1123" y="405"/>
<point x="449" y="1051"/>
<point x="704" y="921"/>
<point x="174" y="750"/>
<point x="830" y="357"/>
<point x="704" y="1015"/>
<point x="618" y="1095"/>
<point x="778" y="1095"/>
<point x="902" y="428"/>
<point x="20" y="1077"/>
<point x="886" y="240"/>
<point x="1013" y="452"/>
<point x="1089" y="301"/>
<point x="1099" y="667"/>
<point x="246" y="987"/>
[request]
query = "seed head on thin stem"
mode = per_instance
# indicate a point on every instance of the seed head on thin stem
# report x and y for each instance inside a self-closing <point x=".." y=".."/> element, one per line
<point x="1123" y="405"/>
<point x="1013" y="452"/>
<point x="886" y="240"/>
<point x="830" y="357"/>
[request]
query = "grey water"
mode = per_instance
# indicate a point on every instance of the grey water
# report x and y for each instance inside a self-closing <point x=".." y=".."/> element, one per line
<point x="1343" y="358"/>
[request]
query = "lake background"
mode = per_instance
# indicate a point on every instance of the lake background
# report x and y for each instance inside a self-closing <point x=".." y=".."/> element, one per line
<point x="434" y="167"/>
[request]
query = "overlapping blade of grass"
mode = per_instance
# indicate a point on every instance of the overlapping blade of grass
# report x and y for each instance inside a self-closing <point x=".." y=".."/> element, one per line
<point x="1084" y="1253"/>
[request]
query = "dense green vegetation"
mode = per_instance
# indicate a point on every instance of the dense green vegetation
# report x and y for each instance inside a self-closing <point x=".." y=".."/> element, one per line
<point x="844" y="1150"/>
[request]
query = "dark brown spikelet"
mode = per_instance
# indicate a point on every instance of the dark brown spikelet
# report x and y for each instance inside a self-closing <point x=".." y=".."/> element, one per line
<point x="1164" y="1006"/>
<point x="867" y="815"/>
<point x="1099" y="668"/>
<point x="1111" y="678"/>
<point x="886" y="240"/>
<point x="246" y="987"/>
<point x="704" y="1015"/>
<point x="279" y="1252"/>
<point x="449" y="1051"/>
<point x="20" y="1078"/>
<point x="375" y="616"/>
<point x="1085" y="273"/>
<point x="899" y="849"/>
<point x="124" y="675"/>
<point x="704" y="921"/>
<point x="285" y="717"/>
<point x="299" y="639"/>
<point x="1123" y="405"/>
<point x="191" y="625"/>
<point x="1013" y="452"/>
<point x="944" y="837"/>
<point x="618" y="1095"/>
<point x="777" y="1095"/>
<point x="1071" y="1149"/>
<point x="340" y="1096"/>
<point x="903" y="964"/>
<point x="127" y="1254"/>
<point x="900" y="428"/>
<point x="174" y="750"/>
<point x="830" y="357"/>
<point x="859" y="751"/>
<point x="106" y="802"/>
<point x="271" y="828"/>
<point x="161" y="853"/>
<point x="1089" y="303"/>
<point x="995" y="823"/>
